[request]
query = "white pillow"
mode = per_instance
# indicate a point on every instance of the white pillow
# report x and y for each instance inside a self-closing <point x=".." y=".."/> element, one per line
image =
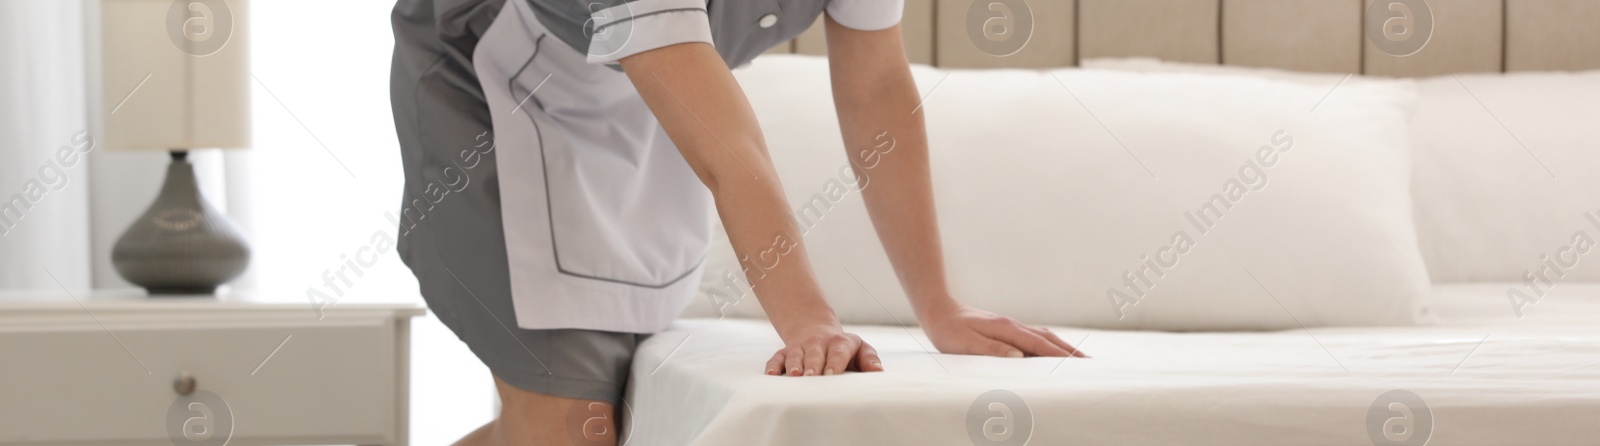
<point x="1043" y="211"/>
<point x="1486" y="209"/>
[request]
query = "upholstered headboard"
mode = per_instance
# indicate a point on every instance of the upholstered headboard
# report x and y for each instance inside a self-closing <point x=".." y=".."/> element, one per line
<point x="1377" y="37"/>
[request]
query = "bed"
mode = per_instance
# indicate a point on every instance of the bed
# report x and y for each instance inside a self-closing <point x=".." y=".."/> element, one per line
<point x="1446" y="174"/>
<point x="1483" y="377"/>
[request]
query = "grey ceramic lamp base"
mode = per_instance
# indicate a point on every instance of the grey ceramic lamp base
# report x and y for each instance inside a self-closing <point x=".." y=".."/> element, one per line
<point x="181" y="245"/>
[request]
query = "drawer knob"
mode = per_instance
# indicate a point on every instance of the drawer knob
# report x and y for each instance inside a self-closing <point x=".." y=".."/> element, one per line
<point x="184" y="384"/>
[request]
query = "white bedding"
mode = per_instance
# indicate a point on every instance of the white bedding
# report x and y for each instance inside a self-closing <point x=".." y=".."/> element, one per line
<point x="1487" y="377"/>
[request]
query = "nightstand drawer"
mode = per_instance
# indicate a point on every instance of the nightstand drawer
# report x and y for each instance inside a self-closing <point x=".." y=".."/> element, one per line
<point x="281" y="380"/>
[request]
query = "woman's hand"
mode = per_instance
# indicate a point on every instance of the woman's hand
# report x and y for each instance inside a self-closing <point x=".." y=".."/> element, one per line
<point x="959" y="329"/>
<point x="823" y="349"/>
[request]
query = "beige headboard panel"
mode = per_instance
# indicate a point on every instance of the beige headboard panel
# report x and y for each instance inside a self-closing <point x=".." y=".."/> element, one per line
<point x="1175" y="30"/>
<point x="1301" y="35"/>
<point x="1444" y="36"/>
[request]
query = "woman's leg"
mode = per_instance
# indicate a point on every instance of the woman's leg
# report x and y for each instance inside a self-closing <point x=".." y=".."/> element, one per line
<point x="529" y="418"/>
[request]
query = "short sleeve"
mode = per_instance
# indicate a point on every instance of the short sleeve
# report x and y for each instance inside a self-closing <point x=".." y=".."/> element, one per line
<point x="634" y="27"/>
<point x="866" y="15"/>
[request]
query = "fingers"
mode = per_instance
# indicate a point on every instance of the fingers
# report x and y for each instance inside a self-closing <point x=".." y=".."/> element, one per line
<point x="867" y="359"/>
<point x="816" y="354"/>
<point x="775" y="365"/>
<point x="1051" y="336"/>
<point x="1022" y="338"/>
<point x="841" y="349"/>
<point x="792" y="357"/>
<point x="991" y="347"/>
<point x="825" y="355"/>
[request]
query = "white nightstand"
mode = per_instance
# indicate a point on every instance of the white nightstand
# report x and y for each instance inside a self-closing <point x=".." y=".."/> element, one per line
<point x="117" y="368"/>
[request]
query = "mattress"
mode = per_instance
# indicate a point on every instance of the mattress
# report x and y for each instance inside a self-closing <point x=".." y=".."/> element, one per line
<point x="1486" y="375"/>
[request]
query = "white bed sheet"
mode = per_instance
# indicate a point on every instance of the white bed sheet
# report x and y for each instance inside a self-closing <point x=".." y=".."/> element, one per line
<point x="1487" y="376"/>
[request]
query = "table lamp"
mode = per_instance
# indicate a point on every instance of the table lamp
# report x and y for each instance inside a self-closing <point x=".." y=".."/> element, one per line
<point x="175" y="76"/>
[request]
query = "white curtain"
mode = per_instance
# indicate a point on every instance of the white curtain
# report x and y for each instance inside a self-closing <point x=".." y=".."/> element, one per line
<point x="43" y="211"/>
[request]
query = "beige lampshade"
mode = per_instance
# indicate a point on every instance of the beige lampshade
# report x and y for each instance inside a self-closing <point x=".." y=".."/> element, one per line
<point x="175" y="74"/>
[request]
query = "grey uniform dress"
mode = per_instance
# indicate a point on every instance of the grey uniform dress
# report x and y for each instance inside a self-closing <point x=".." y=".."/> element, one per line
<point x="549" y="220"/>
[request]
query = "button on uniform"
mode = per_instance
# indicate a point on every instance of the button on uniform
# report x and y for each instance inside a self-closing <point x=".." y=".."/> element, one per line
<point x="768" y="20"/>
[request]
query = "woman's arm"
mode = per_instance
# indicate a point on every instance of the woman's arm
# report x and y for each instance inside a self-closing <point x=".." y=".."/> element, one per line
<point x="691" y="91"/>
<point x="877" y="102"/>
